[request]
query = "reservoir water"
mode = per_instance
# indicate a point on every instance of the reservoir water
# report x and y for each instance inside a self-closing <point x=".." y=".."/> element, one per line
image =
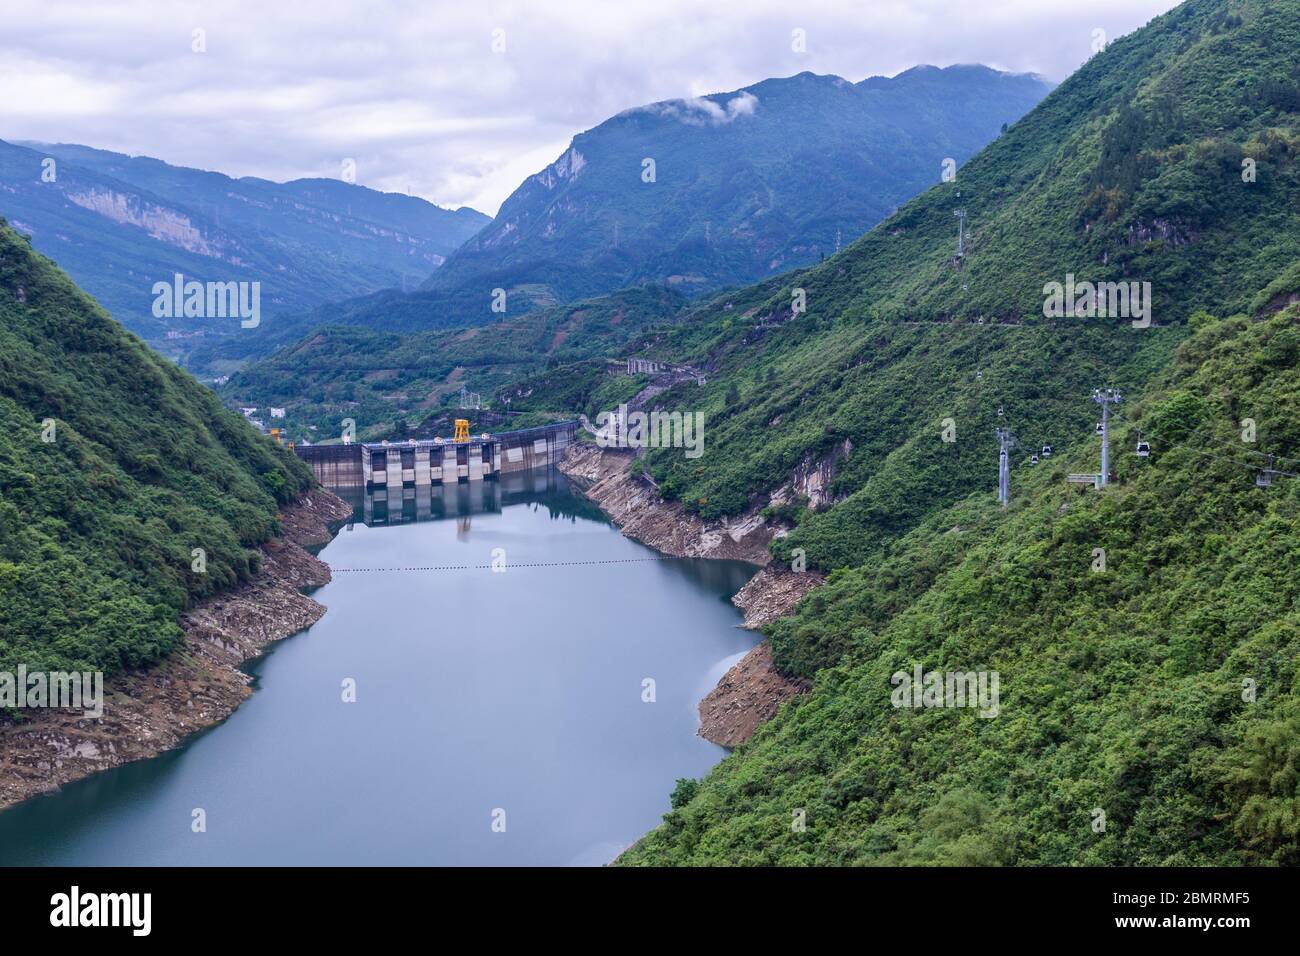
<point x="499" y="716"/>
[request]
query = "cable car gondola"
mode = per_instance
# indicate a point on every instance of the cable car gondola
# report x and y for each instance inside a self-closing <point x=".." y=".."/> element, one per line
<point x="1047" y="451"/>
<point x="1265" y="477"/>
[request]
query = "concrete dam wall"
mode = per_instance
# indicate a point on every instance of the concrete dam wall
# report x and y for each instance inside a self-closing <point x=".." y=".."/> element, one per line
<point x="413" y="463"/>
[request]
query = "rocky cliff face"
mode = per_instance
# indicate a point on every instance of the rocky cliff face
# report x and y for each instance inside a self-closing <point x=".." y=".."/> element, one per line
<point x="753" y="690"/>
<point x="166" y="225"/>
<point x="748" y="695"/>
<point x="152" y="710"/>
<point x="813" y="476"/>
<point x="634" y="505"/>
<point x="773" y="593"/>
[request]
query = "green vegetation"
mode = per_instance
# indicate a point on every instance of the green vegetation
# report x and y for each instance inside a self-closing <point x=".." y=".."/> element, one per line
<point x="813" y="164"/>
<point x="97" y="525"/>
<point x="684" y="792"/>
<point x="1161" y="692"/>
<point x="376" y="377"/>
<point x="1121" y="691"/>
<point x="895" y="334"/>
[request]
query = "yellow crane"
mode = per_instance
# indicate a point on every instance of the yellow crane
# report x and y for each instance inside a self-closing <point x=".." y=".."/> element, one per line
<point x="462" y="430"/>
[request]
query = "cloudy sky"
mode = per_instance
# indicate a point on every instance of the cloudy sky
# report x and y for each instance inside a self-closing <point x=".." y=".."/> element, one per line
<point x="416" y="94"/>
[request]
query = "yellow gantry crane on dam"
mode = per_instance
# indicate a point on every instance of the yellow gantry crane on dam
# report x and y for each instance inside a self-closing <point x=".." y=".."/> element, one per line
<point x="462" y="430"/>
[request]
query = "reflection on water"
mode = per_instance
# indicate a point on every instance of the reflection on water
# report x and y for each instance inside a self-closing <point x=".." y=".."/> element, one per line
<point x="541" y="487"/>
<point x="476" y="691"/>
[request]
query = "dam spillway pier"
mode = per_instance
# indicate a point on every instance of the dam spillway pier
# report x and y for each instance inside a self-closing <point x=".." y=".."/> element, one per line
<point x="422" y="463"/>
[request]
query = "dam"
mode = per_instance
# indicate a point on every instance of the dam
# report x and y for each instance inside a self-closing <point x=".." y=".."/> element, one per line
<point x="424" y="463"/>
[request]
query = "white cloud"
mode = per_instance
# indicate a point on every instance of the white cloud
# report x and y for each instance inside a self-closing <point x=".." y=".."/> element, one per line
<point x="701" y="111"/>
<point x="414" y="92"/>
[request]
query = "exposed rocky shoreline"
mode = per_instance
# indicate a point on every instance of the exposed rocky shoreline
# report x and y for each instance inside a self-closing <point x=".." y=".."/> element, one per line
<point x="152" y="710"/>
<point x="752" y="691"/>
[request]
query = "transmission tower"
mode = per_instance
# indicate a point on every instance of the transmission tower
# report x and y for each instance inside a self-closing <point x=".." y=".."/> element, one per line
<point x="961" y="232"/>
<point x="1105" y="397"/>
<point x="1005" y="443"/>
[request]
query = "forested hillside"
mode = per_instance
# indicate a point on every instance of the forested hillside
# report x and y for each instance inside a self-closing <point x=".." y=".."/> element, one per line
<point x="897" y="309"/>
<point x="378" y="378"/>
<point x="1169" y="158"/>
<point x="114" y="466"/>
<point x="1161" y="691"/>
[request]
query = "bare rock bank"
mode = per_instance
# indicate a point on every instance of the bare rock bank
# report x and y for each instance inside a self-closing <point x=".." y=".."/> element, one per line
<point x="752" y="691"/>
<point x="154" y="709"/>
<point x="640" y="513"/>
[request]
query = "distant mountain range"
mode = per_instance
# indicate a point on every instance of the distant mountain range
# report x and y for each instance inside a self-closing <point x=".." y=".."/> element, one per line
<point x="729" y="188"/>
<point x="700" y="194"/>
<point x="118" y="223"/>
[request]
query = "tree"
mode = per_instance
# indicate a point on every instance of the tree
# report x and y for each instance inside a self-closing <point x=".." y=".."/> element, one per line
<point x="684" y="792"/>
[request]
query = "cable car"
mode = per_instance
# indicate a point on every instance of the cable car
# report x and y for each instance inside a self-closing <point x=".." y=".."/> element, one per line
<point x="1265" y="477"/>
<point x="1143" y="449"/>
<point x="1099" y="429"/>
<point x="1047" y="451"/>
<point x="1033" y="459"/>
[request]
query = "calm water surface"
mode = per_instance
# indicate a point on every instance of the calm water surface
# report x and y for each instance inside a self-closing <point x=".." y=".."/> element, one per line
<point x="476" y="691"/>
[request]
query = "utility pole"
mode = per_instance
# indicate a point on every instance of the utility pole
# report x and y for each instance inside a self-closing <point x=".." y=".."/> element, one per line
<point x="1005" y="443"/>
<point x="1105" y="397"/>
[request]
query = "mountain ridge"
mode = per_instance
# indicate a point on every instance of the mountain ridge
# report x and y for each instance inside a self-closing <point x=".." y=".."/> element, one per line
<point x="833" y="157"/>
<point x="640" y="132"/>
<point x="119" y="223"/>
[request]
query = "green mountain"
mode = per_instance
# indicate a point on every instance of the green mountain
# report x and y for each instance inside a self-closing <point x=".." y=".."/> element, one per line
<point x="743" y="185"/>
<point x="118" y="224"/>
<point x="1169" y="158"/>
<point x="114" y="466"/>
<point x="897" y="308"/>
<point x="1158" y="699"/>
